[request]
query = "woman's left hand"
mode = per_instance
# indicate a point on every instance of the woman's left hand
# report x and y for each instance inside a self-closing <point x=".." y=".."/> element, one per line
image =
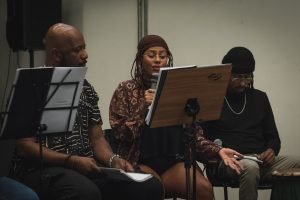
<point x="228" y="157"/>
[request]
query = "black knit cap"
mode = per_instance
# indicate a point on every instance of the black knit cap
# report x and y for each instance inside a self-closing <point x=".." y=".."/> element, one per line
<point x="149" y="41"/>
<point x="242" y="60"/>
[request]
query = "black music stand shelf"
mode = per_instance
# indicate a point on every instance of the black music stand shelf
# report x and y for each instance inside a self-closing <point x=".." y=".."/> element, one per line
<point x="42" y="99"/>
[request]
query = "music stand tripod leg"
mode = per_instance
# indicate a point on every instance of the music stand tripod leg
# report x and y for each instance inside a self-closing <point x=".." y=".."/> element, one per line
<point x="40" y="129"/>
<point x="192" y="108"/>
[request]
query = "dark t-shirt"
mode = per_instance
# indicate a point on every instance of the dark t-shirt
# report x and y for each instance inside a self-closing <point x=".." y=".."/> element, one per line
<point x="252" y="131"/>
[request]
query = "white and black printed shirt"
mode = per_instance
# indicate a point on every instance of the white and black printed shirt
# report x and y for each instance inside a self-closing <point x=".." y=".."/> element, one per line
<point x="77" y="142"/>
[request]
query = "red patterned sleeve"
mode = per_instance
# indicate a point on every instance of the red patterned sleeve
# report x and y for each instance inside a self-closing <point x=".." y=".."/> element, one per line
<point x="127" y="111"/>
<point x="205" y="148"/>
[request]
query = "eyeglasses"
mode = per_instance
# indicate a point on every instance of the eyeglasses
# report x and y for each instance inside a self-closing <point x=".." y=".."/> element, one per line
<point x="152" y="55"/>
<point x="241" y="77"/>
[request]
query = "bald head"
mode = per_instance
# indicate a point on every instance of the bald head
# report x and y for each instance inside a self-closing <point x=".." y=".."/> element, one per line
<point x="61" y="42"/>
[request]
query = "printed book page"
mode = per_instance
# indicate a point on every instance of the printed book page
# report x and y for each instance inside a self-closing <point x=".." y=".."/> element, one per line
<point x="120" y="174"/>
<point x="60" y="111"/>
<point x="254" y="158"/>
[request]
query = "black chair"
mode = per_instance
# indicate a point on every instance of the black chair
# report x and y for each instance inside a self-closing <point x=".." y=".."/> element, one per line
<point x="217" y="180"/>
<point x="108" y="134"/>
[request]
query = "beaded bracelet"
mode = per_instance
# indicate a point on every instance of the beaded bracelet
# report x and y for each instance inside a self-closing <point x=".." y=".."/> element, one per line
<point x="112" y="158"/>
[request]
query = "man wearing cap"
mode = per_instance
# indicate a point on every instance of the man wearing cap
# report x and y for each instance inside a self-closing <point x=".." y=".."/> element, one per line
<point x="247" y="125"/>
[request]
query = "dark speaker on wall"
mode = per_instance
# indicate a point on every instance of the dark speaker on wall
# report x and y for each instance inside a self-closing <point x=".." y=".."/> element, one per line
<point x="28" y="22"/>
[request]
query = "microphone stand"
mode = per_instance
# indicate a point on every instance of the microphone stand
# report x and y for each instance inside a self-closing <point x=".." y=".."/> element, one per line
<point x="192" y="108"/>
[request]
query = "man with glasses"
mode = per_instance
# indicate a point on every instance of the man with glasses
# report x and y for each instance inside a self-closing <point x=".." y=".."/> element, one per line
<point x="247" y="125"/>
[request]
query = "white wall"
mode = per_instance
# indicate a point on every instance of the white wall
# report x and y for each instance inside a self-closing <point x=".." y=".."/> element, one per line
<point x="201" y="32"/>
<point x="110" y="30"/>
<point x="198" y="32"/>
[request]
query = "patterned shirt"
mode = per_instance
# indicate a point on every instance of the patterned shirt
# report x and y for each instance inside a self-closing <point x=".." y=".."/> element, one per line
<point x="128" y="110"/>
<point x="77" y="142"/>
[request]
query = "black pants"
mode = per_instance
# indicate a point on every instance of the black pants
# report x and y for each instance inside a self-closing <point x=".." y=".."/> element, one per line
<point x="64" y="184"/>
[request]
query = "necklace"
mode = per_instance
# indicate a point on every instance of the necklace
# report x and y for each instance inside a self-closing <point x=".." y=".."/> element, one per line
<point x="237" y="113"/>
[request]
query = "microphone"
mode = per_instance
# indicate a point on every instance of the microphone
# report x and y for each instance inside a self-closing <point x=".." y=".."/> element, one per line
<point x="218" y="142"/>
<point x="154" y="80"/>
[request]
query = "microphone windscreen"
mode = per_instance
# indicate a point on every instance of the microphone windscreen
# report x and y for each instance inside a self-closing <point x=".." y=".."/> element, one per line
<point x="218" y="142"/>
<point x="154" y="80"/>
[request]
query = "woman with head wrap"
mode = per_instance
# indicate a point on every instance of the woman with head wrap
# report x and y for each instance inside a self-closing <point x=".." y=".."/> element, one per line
<point x="156" y="150"/>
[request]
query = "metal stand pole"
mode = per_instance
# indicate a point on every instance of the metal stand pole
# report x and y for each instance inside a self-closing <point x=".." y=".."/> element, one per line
<point x="192" y="108"/>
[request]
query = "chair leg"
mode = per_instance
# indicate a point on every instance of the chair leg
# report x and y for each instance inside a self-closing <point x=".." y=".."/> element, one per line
<point x="225" y="193"/>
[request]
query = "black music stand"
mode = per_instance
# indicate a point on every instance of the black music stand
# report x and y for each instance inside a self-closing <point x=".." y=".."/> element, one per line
<point x="42" y="101"/>
<point x="185" y="95"/>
